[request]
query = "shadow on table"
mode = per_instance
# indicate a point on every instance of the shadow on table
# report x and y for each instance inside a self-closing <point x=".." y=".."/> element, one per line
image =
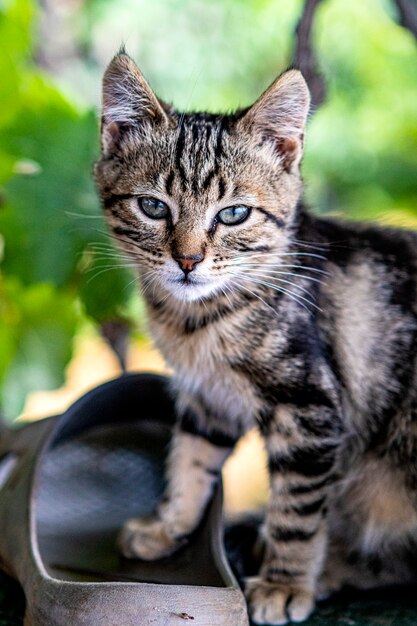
<point x="12" y="602"/>
<point x="394" y="606"/>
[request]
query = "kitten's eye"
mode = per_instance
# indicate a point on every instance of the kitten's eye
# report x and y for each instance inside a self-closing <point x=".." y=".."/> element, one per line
<point x="156" y="209"/>
<point x="233" y="215"/>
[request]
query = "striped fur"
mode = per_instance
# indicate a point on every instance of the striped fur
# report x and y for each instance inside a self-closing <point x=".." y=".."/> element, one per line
<point x="303" y="327"/>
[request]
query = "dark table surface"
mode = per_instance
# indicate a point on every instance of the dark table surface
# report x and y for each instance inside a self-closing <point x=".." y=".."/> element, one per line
<point x="391" y="608"/>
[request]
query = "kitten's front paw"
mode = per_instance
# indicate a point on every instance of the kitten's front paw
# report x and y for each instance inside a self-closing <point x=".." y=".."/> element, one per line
<point x="274" y="604"/>
<point x="148" y="539"/>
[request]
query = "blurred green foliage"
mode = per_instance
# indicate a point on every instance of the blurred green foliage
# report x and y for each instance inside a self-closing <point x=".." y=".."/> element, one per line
<point x="50" y="221"/>
<point x="57" y="268"/>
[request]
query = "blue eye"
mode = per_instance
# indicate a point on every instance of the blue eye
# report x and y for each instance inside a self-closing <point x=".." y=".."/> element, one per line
<point x="233" y="215"/>
<point x="156" y="209"/>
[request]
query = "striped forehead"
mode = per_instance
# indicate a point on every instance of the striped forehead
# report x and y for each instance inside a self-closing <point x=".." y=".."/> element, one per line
<point x="197" y="153"/>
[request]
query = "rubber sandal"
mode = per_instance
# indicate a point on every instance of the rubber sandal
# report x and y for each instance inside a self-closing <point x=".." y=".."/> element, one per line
<point x="66" y="486"/>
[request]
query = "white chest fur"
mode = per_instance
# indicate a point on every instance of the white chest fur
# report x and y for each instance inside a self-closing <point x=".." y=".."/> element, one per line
<point x="201" y="366"/>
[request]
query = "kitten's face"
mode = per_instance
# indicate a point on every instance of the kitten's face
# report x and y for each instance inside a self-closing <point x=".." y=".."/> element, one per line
<point x="193" y="196"/>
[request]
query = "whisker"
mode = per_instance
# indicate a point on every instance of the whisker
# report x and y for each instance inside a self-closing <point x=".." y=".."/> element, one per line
<point x="223" y="290"/>
<point x="165" y="298"/>
<point x="289" y="293"/>
<point x="281" y="280"/>
<point x="281" y="254"/>
<point x="119" y="239"/>
<point x="293" y="265"/>
<point x="309" y="244"/>
<point x="301" y="276"/>
<point x="113" y="266"/>
<point x="240" y="286"/>
<point x="149" y="277"/>
<point x="250" y="255"/>
<point x="296" y="297"/>
<point x="86" y="217"/>
<point x="113" y="259"/>
<point x="110" y="247"/>
<point x="107" y="254"/>
<point x="134" y="281"/>
<point x="151" y="255"/>
<point x="107" y="269"/>
<point x="146" y="279"/>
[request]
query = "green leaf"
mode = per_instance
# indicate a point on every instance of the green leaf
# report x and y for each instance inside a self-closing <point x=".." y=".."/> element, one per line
<point x="38" y="220"/>
<point x="15" y="36"/>
<point x="41" y="323"/>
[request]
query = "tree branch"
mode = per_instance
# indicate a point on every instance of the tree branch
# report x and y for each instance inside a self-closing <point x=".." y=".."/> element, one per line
<point x="304" y="57"/>
<point x="408" y="15"/>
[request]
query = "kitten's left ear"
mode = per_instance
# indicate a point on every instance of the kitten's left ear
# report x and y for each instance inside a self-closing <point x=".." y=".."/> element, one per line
<point x="128" y="103"/>
<point x="279" y="116"/>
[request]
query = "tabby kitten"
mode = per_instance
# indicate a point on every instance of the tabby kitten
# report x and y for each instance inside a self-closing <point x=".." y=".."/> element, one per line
<point x="270" y="317"/>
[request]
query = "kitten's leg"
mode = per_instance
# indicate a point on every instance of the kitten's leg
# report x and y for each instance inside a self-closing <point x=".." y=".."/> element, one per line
<point x="300" y="465"/>
<point x="194" y="465"/>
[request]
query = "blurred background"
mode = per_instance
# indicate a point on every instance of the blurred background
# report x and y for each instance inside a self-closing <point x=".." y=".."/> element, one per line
<point x="70" y="315"/>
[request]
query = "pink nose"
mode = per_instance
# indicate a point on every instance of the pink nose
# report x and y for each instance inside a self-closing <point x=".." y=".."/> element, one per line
<point x="188" y="263"/>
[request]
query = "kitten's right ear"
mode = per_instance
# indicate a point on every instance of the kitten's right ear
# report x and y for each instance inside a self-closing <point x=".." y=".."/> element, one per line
<point x="128" y="103"/>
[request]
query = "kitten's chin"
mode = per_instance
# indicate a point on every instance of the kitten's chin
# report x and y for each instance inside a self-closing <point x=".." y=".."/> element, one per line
<point x="191" y="291"/>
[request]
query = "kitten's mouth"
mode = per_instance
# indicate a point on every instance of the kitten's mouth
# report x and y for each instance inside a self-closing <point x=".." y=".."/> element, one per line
<point x="187" y="281"/>
<point x="189" y="288"/>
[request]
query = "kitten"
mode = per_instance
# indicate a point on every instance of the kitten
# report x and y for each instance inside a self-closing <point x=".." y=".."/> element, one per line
<point x="270" y="317"/>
